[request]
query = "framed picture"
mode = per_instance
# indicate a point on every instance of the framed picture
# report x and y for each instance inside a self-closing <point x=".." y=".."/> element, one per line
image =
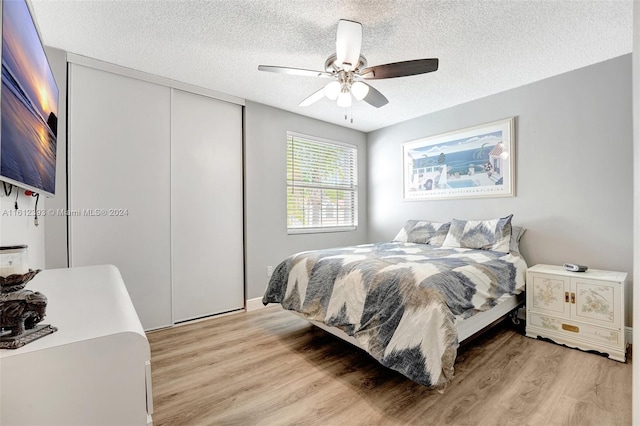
<point x="473" y="162"/>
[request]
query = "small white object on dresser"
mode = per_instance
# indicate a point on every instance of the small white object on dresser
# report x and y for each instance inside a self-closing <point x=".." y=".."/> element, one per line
<point x="582" y="310"/>
<point x="95" y="370"/>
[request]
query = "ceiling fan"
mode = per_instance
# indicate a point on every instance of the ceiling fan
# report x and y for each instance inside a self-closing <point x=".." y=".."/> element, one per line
<point x="348" y="68"/>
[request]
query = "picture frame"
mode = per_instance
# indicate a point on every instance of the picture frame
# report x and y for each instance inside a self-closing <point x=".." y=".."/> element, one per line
<point x="474" y="162"/>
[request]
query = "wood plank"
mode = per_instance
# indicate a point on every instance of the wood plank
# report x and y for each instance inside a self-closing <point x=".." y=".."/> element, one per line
<point x="271" y="367"/>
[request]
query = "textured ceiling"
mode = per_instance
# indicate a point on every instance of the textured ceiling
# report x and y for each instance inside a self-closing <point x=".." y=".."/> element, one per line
<point x="484" y="47"/>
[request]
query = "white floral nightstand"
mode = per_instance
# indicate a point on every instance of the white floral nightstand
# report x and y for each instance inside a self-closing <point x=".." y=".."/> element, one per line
<point x="583" y="310"/>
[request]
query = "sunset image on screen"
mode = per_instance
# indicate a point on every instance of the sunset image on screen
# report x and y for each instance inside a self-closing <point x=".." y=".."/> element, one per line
<point x="29" y="103"/>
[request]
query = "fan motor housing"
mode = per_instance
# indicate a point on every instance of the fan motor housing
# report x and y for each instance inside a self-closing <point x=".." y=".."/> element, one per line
<point x="331" y="66"/>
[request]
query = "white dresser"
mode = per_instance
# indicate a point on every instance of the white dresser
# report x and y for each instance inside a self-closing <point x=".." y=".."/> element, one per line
<point x="579" y="309"/>
<point x="95" y="370"/>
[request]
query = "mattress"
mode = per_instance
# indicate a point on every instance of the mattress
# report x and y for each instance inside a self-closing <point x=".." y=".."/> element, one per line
<point x="466" y="327"/>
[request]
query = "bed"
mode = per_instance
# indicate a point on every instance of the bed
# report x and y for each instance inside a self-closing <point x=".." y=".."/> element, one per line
<point x="409" y="302"/>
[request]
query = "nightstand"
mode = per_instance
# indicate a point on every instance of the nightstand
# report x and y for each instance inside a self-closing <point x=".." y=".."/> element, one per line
<point x="582" y="310"/>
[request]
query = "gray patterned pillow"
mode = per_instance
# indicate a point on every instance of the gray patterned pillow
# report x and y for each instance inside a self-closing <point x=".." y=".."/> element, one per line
<point x="423" y="232"/>
<point x="494" y="234"/>
<point x="516" y="234"/>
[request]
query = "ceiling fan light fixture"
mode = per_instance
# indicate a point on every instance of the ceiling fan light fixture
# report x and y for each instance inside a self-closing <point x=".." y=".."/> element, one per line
<point x="348" y="68"/>
<point x="359" y="90"/>
<point x="344" y="100"/>
<point x="332" y="90"/>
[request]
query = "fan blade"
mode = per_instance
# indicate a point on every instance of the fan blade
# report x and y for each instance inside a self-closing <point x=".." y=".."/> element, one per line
<point x="294" y="71"/>
<point x="348" y="44"/>
<point x="315" y="97"/>
<point x="400" y="69"/>
<point x="375" y="98"/>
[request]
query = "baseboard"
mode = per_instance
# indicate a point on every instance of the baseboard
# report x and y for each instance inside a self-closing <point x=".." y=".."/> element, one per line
<point x="628" y="335"/>
<point x="254" y="304"/>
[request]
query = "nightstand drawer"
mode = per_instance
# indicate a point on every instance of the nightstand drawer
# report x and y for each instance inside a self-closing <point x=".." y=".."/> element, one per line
<point x="575" y="330"/>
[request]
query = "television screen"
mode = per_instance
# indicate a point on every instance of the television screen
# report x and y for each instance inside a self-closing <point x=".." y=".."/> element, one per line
<point x="29" y="104"/>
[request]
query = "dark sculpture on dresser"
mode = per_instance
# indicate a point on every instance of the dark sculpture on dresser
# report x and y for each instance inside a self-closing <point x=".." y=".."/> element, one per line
<point x="21" y="311"/>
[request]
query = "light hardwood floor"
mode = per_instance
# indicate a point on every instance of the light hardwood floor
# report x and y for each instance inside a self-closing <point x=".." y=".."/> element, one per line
<point x="269" y="367"/>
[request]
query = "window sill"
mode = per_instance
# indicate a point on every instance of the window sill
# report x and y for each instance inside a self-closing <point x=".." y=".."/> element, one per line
<point x="296" y="231"/>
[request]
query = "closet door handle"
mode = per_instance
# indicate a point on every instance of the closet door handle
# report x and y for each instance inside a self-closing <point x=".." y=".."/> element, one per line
<point x="566" y="296"/>
<point x="573" y="298"/>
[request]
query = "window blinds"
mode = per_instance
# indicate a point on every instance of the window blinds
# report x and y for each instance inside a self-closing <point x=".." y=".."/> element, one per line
<point x="322" y="187"/>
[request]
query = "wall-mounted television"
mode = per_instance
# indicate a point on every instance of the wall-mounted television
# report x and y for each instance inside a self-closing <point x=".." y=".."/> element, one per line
<point x="28" y="104"/>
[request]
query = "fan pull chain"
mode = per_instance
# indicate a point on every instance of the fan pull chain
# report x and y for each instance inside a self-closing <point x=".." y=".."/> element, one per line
<point x="346" y="116"/>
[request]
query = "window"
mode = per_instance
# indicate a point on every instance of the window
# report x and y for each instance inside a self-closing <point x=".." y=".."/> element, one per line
<point x="322" y="185"/>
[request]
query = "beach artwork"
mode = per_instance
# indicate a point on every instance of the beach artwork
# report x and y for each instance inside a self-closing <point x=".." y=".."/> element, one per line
<point x="473" y="162"/>
<point x="29" y="99"/>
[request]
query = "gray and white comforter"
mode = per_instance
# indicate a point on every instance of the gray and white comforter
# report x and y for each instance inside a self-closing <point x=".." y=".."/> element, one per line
<point x="398" y="300"/>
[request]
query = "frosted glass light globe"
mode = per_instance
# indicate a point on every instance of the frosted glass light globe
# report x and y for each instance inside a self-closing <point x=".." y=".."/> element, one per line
<point x="359" y="90"/>
<point x="344" y="100"/>
<point x="332" y="90"/>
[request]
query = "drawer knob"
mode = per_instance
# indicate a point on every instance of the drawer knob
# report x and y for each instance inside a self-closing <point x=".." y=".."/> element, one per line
<point x="572" y="328"/>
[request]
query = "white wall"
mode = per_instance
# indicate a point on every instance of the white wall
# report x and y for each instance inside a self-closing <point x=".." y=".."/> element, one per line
<point x="266" y="239"/>
<point x="17" y="226"/>
<point x="636" y="206"/>
<point x="574" y="168"/>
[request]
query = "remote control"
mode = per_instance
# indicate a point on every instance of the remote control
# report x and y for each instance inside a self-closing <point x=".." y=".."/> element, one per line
<point x="574" y="267"/>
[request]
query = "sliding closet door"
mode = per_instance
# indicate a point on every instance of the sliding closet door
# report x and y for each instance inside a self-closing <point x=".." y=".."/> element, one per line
<point x="206" y="206"/>
<point x="119" y="184"/>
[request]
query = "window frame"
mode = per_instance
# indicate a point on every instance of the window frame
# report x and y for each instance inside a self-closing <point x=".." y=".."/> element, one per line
<point x="353" y="189"/>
